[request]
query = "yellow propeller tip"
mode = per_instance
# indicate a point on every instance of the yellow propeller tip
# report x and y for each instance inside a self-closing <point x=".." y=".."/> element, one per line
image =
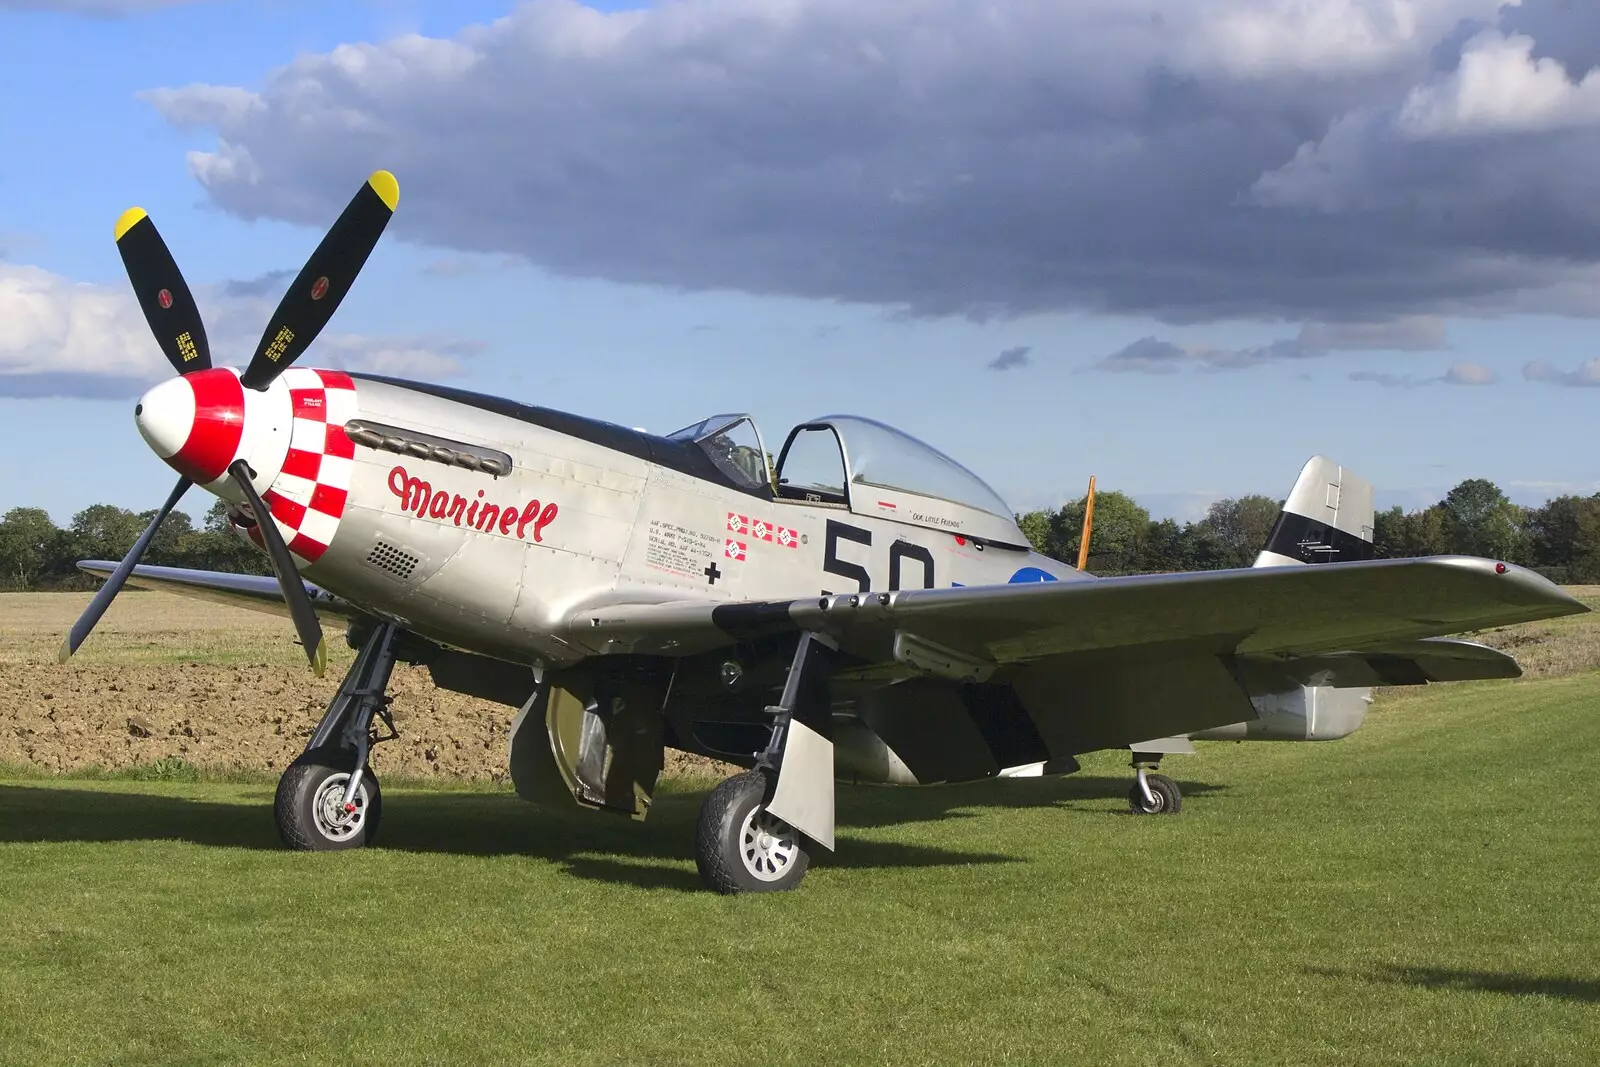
<point x="388" y="190"/>
<point x="66" y="650"/>
<point x="128" y="219"/>
<point x="319" y="662"/>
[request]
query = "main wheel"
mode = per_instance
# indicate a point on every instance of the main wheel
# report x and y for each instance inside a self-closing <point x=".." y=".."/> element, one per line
<point x="1164" y="789"/>
<point x="310" y="807"/>
<point x="740" y="847"/>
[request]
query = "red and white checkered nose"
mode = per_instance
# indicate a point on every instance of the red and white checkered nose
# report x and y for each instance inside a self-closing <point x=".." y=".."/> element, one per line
<point x="194" y="422"/>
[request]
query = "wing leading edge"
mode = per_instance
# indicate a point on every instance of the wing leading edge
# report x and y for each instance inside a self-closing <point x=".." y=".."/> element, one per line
<point x="253" y="591"/>
<point x="1272" y="611"/>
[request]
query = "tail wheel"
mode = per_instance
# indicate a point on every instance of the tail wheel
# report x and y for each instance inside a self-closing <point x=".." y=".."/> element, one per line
<point x="310" y="808"/>
<point x="1168" y="799"/>
<point x="740" y="847"/>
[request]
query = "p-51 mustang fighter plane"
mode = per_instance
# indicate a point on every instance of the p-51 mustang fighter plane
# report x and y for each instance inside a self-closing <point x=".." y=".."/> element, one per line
<point x="869" y="610"/>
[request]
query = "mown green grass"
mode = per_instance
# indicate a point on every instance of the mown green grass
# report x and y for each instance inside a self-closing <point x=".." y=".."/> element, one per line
<point x="1424" y="892"/>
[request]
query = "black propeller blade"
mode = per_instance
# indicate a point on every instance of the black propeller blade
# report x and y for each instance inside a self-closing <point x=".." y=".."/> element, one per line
<point x="107" y="593"/>
<point x="325" y="279"/>
<point x="304" y="615"/>
<point x="164" y="296"/>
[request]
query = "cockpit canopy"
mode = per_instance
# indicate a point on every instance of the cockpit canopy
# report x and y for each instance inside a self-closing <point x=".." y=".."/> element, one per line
<point x="735" y="447"/>
<point x="859" y="464"/>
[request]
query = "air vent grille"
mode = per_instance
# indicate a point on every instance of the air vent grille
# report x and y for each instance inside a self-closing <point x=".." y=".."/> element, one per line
<point x="393" y="560"/>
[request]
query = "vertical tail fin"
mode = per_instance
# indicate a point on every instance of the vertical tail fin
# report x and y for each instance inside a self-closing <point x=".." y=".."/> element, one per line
<point x="1327" y="517"/>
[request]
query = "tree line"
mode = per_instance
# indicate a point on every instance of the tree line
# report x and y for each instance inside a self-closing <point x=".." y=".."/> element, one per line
<point x="35" y="553"/>
<point x="1560" y="538"/>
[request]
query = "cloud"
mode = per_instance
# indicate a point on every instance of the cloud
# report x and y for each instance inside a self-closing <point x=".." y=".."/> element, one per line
<point x="1012" y="357"/>
<point x="1151" y="355"/>
<point x="71" y="339"/>
<point x="1350" y="160"/>
<point x="1469" y="374"/>
<point x="1455" y="374"/>
<point x="272" y="284"/>
<point x="423" y="358"/>
<point x="1586" y="374"/>
<point x="1147" y="355"/>
<point x="59" y="337"/>
<point x="1416" y="333"/>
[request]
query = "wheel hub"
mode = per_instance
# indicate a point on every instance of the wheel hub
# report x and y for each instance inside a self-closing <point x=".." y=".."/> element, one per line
<point x="334" y="819"/>
<point x="767" y="845"/>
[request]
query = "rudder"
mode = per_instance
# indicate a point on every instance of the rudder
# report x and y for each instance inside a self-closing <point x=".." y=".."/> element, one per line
<point x="1327" y="517"/>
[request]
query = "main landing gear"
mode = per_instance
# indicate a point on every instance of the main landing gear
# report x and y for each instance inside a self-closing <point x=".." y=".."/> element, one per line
<point x="328" y="798"/>
<point x="741" y="845"/>
<point x="1152" y="794"/>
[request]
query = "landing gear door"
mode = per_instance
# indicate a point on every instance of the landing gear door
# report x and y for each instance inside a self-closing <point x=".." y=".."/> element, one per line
<point x="606" y="742"/>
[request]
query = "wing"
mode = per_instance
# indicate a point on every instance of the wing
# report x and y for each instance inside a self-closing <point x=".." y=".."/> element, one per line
<point x="253" y="591"/>
<point x="1265" y="611"/>
<point x="1108" y="662"/>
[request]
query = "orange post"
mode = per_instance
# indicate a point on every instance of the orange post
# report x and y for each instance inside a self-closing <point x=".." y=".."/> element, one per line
<point x="1088" y="525"/>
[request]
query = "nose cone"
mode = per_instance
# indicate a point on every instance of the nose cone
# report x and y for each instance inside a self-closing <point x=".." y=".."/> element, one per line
<point x="194" y="422"/>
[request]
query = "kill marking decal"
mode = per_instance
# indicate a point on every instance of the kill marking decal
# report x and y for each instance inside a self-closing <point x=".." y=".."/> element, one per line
<point x="762" y="530"/>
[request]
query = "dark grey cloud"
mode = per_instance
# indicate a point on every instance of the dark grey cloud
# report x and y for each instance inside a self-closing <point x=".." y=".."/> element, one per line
<point x="271" y="284"/>
<point x="1012" y="357"/>
<point x="1147" y="355"/>
<point x="1152" y="355"/>
<point x="1586" y="373"/>
<point x="1232" y="158"/>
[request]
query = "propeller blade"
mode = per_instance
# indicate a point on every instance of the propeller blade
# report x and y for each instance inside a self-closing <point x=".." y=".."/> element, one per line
<point x="304" y="615"/>
<point x="163" y="295"/>
<point x="108" y="591"/>
<point x="324" y="280"/>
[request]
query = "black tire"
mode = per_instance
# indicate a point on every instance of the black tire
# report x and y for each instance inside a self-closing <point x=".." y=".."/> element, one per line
<point x="727" y="848"/>
<point x="300" y="791"/>
<point x="1169" y="800"/>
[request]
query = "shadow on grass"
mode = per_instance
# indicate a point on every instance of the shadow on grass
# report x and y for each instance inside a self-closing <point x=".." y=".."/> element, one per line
<point x="588" y="844"/>
<point x="1585" y="991"/>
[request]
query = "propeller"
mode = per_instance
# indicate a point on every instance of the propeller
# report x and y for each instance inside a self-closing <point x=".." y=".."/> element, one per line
<point x="163" y="295"/>
<point x="174" y="318"/>
<point x="304" y="615"/>
<point x="322" y="283"/>
<point x="107" y="592"/>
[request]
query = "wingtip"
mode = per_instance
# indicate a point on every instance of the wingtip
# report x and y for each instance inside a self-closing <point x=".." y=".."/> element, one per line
<point x="388" y="189"/>
<point x="128" y="219"/>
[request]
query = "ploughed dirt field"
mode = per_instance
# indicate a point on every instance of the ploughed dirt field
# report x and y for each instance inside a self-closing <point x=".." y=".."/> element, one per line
<point x="223" y="688"/>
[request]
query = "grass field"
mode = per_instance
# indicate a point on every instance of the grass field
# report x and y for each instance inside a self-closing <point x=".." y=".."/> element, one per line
<point x="1424" y="892"/>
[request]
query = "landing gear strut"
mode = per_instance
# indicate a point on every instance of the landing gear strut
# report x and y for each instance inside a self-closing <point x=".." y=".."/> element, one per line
<point x="740" y="844"/>
<point x="328" y="798"/>
<point x="1152" y="794"/>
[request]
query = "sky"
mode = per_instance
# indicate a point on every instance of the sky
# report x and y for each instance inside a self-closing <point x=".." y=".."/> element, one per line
<point x="1179" y="245"/>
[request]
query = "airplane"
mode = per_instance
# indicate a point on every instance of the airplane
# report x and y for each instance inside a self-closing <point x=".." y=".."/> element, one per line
<point x="864" y="608"/>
